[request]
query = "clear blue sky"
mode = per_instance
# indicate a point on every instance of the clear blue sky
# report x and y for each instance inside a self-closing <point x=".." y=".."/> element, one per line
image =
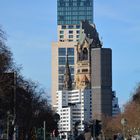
<point x="31" y="27"/>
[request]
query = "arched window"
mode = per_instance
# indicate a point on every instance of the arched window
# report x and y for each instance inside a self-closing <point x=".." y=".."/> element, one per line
<point x="85" y="54"/>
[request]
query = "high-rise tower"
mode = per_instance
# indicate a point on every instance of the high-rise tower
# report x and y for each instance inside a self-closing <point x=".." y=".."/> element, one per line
<point x="101" y="82"/>
<point x="69" y="15"/>
<point x="71" y="12"/>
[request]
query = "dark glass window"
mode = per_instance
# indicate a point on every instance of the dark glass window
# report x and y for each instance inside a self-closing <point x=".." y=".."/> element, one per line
<point x="78" y="31"/>
<point x="72" y="78"/>
<point x="61" y="79"/>
<point x="77" y="26"/>
<point x="70" y="3"/>
<point x="71" y="60"/>
<point x="61" y="51"/>
<point x="70" y="26"/>
<point x="70" y="32"/>
<point x="61" y="36"/>
<point x="61" y="70"/>
<point x="62" y="60"/>
<point x="84" y="70"/>
<point x="70" y="36"/>
<point x="70" y="51"/>
<point x="72" y="70"/>
<point x="60" y="86"/>
<point x="63" y="26"/>
<point x="61" y="32"/>
<point x="77" y="36"/>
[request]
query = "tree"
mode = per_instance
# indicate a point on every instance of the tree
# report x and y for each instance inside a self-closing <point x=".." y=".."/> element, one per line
<point x="136" y="95"/>
<point x="111" y="126"/>
<point x="131" y="113"/>
<point x="30" y="107"/>
<point x="6" y="60"/>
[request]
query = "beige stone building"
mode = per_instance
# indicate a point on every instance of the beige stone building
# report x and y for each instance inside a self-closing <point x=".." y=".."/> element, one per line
<point x="59" y="54"/>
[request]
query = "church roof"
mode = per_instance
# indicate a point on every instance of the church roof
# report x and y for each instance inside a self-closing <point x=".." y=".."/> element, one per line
<point x="88" y="32"/>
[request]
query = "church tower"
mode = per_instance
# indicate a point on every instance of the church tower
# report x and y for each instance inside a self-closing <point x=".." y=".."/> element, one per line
<point x="88" y="39"/>
<point x="67" y="77"/>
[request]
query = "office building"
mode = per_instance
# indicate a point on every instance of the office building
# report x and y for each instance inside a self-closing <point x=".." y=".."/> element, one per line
<point x="101" y="82"/>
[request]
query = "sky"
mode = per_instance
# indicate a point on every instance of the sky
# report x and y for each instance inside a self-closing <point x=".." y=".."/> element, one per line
<point x="31" y="27"/>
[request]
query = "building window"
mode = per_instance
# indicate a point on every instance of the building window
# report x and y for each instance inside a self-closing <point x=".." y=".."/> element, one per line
<point x="70" y="51"/>
<point x="61" y="32"/>
<point x="78" y="31"/>
<point x="62" y="60"/>
<point x="72" y="70"/>
<point x="61" y="51"/>
<point x="78" y="70"/>
<point x="70" y="32"/>
<point x="61" y="79"/>
<point x="70" y="26"/>
<point x="70" y="36"/>
<point x="63" y="26"/>
<point x="71" y="60"/>
<point x="77" y="36"/>
<point x="60" y="86"/>
<point x="77" y="26"/>
<point x="72" y="78"/>
<point x="84" y="70"/>
<point x="61" y="70"/>
<point x="61" y="36"/>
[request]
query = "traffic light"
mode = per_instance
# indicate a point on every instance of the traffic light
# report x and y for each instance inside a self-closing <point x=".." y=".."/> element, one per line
<point x="40" y="133"/>
<point x="98" y="128"/>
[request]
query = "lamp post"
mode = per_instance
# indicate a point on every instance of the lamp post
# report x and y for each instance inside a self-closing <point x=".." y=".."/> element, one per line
<point x="44" y="124"/>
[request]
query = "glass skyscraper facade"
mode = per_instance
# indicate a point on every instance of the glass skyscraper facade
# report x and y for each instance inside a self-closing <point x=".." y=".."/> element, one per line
<point x="62" y="52"/>
<point x="71" y="12"/>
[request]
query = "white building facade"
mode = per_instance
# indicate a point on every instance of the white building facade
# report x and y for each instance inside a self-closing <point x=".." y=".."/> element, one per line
<point x="73" y="106"/>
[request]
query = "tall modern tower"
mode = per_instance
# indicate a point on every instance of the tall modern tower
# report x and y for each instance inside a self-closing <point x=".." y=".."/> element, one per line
<point x="101" y="82"/>
<point x="69" y="15"/>
<point x="71" y="12"/>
